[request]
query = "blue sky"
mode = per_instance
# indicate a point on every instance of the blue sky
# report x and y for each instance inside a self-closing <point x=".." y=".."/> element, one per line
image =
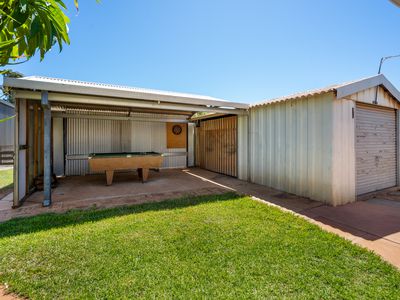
<point x="245" y="50"/>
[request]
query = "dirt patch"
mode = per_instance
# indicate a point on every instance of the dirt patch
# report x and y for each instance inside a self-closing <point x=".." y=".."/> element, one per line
<point x="4" y="295"/>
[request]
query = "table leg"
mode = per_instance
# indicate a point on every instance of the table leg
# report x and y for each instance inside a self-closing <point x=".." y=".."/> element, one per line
<point x="140" y="173"/>
<point x="145" y="174"/>
<point x="109" y="176"/>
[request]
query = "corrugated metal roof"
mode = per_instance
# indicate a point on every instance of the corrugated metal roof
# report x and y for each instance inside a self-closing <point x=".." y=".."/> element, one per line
<point x="341" y="90"/>
<point x="298" y="95"/>
<point x="5" y="103"/>
<point x="117" y="87"/>
<point x="39" y="83"/>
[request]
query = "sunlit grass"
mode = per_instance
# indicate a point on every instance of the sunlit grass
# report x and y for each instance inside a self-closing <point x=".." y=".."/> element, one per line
<point x="6" y="179"/>
<point x="222" y="246"/>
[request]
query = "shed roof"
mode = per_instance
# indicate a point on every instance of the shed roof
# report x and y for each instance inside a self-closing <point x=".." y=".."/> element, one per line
<point x="341" y="90"/>
<point x="5" y="103"/>
<point x="57" y="85"/>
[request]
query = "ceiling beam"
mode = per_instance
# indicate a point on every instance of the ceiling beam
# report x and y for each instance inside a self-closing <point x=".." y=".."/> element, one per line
<point x="97" y="100"/>
<point x="121" y="118"/>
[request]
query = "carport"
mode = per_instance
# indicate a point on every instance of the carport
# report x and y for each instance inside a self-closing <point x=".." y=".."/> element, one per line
<point x="59" y="122"/>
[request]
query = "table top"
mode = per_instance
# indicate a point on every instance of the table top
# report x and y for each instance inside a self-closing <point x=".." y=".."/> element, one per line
<point x="122" y="154"/>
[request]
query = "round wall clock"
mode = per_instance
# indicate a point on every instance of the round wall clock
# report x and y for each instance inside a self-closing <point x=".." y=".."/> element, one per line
<point x="177" y="129"/>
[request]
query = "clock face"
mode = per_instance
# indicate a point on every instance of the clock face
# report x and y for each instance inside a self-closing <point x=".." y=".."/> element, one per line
<point x="177" y="129"/>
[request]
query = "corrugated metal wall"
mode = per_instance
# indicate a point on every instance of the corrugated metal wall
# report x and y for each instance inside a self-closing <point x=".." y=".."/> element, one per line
<point x="85" y="136"/>
<point x="191" y="130"/>
<point x="217" y="145"/>
<point x="243" y="147"/>
<point x="291" y="146"/>
<point x="6" y="128"/>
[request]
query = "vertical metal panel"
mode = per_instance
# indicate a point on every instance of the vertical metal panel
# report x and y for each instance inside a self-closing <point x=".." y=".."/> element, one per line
<point x="6" y="128"/>
<point x="16" y="199"/>
<point x="218" y="145"/>
<point x="85" y="136"/>
<point x="22" y="152"/>
<point x="58" y="147"/>
<point x="191" y="128"/>
<point x="291" y="146"/>
<point x="343" y="160"/>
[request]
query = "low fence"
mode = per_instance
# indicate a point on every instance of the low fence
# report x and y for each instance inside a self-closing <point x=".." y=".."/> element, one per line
<point x="6" y="158"/>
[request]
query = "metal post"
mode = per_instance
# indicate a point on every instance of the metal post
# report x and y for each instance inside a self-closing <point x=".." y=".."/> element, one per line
<point x="249" y="147"/>
<point x="16" y="155"/>
<point x="47" y="149"/>
<point x="379" y="72"/>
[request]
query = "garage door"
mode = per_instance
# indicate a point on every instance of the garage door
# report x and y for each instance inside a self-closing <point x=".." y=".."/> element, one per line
<point x="376" y="150"/>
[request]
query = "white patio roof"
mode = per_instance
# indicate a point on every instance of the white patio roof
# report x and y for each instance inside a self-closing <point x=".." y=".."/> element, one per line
<point x="90" y="93"/>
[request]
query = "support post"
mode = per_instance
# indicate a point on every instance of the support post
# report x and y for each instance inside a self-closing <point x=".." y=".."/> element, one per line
<point x="16" y="201"/>
<point x="47" y="150"/>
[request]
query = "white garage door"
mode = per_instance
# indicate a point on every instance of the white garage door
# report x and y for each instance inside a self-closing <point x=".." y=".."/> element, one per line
<point x="376" y="151"/>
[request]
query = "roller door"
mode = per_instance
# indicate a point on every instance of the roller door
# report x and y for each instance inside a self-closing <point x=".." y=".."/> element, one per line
<point x="376" y="148"/>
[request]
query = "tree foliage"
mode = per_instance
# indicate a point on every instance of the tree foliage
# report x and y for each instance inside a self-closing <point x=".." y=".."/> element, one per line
<point x="28" y="26"/>
<point x="5" y="92"/>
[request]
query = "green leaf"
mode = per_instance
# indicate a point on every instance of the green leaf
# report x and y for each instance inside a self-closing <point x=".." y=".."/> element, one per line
<point x="30" y="26"/>
<point x="6" y="119"/>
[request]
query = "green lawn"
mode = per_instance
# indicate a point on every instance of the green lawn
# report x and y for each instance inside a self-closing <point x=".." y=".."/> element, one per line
<point x="6" y="179"/>
<point x="207" y="247"/>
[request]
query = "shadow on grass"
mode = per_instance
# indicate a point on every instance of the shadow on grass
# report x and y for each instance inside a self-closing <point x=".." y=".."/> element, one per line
<point x="5" y="190"/>
<point x="48" y="221"/>
<point x="6" y="187"/>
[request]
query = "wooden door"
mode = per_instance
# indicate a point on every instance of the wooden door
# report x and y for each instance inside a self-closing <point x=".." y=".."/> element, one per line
<point x="216" y="145"/>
